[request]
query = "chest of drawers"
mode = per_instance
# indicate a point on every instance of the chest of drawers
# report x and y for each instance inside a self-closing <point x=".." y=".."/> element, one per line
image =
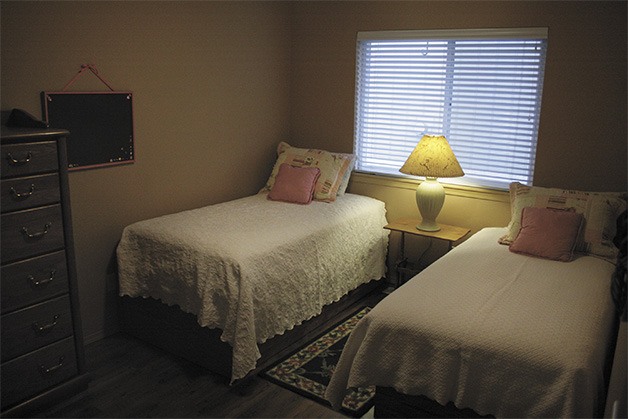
<point x="41" y="340"/>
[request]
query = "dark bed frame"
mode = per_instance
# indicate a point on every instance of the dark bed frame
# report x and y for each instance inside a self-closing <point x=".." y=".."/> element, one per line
<point x="391" y="404"/>
<point x="177" y="332"/>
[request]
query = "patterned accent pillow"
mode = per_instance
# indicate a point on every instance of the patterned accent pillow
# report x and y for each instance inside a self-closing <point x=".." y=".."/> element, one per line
<point x="345" y="179"/>
<point x="600" y="211"/>
<point x="333" y="167"/>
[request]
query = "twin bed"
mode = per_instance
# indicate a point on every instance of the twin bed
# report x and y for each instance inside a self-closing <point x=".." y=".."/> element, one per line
<point x="499" y="325"/>
<point x="501" y="333"/>
<point x="254" y="268"/>
<point x="486" y="330"/>
<point x="219" y="285"/>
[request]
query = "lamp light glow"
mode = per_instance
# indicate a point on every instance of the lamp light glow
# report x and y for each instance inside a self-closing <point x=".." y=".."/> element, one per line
<point x="433" y="158"/>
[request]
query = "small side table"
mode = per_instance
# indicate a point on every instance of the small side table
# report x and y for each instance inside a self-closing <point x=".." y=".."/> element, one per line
<point x="447" y="233"/>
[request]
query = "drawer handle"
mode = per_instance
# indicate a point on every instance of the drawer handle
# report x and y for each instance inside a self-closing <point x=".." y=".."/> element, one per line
<point x="16" y="162"/>
<point x="46" y="327"/>
<point x="35" y="283"/>
<point x="39" y="233"/>
<point x="23" y="194"/>
<point x="49" y="370"/>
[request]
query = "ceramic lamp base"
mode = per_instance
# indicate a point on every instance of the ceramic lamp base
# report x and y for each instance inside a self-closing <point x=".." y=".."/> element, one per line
<point x="430" y="196"/>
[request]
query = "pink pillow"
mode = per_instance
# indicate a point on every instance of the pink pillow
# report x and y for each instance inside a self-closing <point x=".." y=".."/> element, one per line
<point x="294" y="184"/>
<point x="548" y="233"/>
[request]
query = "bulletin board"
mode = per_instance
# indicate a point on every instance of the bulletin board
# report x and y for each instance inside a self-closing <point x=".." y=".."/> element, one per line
<point x="100" y="125"/>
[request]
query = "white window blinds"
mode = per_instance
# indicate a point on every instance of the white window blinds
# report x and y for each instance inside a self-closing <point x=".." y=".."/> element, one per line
<point x="479" y="88"/>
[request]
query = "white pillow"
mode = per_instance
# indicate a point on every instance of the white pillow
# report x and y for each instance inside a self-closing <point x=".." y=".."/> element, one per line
<point x="333" y="167"/>
<point x="600" y="211"/>
<point x="345" y="179"/>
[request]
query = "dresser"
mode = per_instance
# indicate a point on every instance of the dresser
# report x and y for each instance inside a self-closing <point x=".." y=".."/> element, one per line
<point x="41" y="339"/>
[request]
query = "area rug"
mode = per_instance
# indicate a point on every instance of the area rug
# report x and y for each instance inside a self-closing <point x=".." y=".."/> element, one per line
<point x="308" y="371"/>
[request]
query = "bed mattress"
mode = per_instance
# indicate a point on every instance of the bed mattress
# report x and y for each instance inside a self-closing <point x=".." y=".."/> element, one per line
<point x="498" y="332"/>
<point x="254" y="267"/>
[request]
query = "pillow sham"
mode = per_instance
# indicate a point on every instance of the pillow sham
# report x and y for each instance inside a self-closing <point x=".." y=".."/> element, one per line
<point x="599" y="209"/>
<point x="294" y="184"/>
<point x="332" y="166"/>
<point x="344" y="183"/>
<point x="548" y="233"/>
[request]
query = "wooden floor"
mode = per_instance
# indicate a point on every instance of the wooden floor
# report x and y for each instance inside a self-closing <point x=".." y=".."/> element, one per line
<point x="130" y="379"/>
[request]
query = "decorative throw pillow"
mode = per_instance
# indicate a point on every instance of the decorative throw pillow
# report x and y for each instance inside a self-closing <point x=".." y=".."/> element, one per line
<point x="548" y="233"/>
<point x="332" y="166"/>
<point x="599" y="209"/>
<point x="294" y="184"/>
<point x="344" y="183"/>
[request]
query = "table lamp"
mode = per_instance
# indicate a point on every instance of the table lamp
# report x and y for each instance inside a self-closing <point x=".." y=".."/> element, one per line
<point x="433" y="158"/>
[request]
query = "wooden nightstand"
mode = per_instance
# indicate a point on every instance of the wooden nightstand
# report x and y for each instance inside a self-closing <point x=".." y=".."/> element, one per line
<point x="450" y="234"/>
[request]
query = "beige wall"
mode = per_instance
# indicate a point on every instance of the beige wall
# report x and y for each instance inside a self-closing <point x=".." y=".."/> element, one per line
<point x="210" y="104"/>
<point x="217" y="84"/>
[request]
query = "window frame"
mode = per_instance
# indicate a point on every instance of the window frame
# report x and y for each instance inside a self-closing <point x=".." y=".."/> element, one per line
<point x="538" y="34"/>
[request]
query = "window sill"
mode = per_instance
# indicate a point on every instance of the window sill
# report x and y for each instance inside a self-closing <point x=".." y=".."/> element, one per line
<point x="472" y="192"/>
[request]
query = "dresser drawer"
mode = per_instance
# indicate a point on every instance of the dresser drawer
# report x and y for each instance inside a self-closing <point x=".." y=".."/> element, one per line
<point x="42" y="359"/>
<point x="29" y="158"/>
<point x="31" y="232"/>
<point x="31" y="328"/>
<point x="33" y="280"/>
<point x="30" y="374"/>
<point x="29" y="192"/>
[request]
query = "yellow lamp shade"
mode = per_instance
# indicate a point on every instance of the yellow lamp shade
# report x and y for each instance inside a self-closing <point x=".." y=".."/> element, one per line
<point x="432" y="157"/>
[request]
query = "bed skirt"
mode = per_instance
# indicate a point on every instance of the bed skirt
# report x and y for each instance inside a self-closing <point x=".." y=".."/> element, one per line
<point x="177" y="332"/>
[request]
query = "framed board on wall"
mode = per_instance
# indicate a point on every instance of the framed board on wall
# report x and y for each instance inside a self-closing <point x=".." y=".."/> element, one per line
<point x="100" y="125"/>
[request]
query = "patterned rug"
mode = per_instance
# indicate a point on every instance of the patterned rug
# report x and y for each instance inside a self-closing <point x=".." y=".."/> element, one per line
<point x="308" y="371"/>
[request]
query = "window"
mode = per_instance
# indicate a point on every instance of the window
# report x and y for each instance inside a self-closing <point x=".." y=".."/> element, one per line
<point x="479" y="88"/>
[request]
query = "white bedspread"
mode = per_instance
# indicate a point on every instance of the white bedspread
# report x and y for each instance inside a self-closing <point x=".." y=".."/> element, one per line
<point x="254" y="267"/>
<point x="501" y="333"/>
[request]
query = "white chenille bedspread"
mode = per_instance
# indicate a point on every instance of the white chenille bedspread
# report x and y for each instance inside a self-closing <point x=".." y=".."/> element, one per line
<point x="498" y="332"/>
<point x="253" y="267"/>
